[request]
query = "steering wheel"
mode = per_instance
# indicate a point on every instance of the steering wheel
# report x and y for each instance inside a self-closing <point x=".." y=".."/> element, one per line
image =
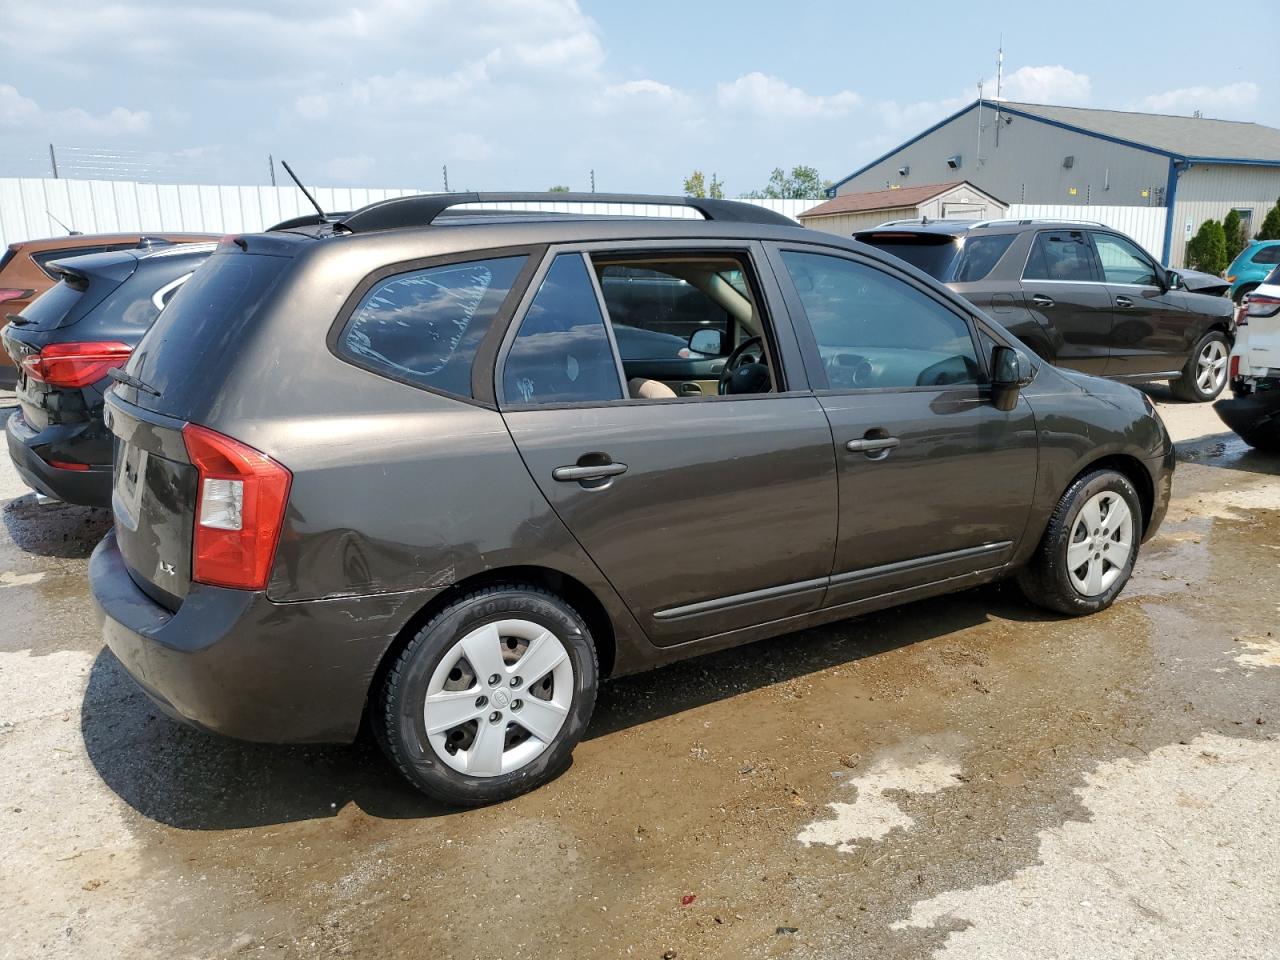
<point x="743" y="373"/>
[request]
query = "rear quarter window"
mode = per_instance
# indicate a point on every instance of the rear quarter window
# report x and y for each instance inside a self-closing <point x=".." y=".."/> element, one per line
<point x="979" y="256"/>
<point x="424" y="327"/>
<point x="1268" y="255"/>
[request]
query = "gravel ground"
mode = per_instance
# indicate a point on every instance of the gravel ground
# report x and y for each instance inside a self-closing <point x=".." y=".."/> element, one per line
<point x="965" y="777"/>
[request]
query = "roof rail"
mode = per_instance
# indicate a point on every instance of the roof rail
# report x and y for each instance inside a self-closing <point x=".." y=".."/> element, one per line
<point x="419" y="211"/>
<point x="1029" y="220"/>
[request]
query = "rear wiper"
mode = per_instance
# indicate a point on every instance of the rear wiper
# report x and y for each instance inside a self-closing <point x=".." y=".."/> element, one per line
<point x="17" y="319"/>
<point x="119" y="376"/>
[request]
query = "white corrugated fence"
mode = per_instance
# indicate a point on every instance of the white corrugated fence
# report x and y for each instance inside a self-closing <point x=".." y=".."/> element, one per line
<point x="29" y="206"/>
<point x="1144" y="224"/>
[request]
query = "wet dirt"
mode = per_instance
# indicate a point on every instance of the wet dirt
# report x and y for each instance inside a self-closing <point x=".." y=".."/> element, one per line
<point x="949" y="777"/>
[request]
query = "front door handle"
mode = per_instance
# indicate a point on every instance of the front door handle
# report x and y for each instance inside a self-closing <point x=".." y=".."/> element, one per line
<point x="1040" y="300"/>
<point x="1123" y="302"/>
<point x="577" y="474"/>
<point x="875" y="445"/>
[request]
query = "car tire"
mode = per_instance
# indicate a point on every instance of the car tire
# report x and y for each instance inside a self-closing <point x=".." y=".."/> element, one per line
<point x="489" y="754"/>
<point x="1244" y="291"/>
<point x="1052" y="579"/>
<point x="1206" y="371"/>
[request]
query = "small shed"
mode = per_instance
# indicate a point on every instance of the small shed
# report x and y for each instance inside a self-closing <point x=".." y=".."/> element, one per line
<point x="851" y="212"/>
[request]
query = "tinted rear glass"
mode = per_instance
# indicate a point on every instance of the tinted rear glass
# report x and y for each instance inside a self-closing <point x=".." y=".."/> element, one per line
<point x="204" y="321"/>
<point x="979" y="255"/>
<point x="932" y="254"/>
<point x="425" y="327"/>
<point x="51" y="308"/>
<point x="1064" y="255"/>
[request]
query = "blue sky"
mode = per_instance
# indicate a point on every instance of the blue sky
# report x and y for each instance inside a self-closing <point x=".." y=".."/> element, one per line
<point x="523" y="94"/>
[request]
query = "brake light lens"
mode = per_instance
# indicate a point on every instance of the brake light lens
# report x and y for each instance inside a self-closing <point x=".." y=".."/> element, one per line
<point x="9" y="293"/>
<point x="240" y="511"/>
<point x="1233" y="372"/>
<point x="1258" y="305"/>
<point x="75" y="364"/>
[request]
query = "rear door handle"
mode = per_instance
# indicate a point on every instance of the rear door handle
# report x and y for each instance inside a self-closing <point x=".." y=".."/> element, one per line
<point x="1123" y="302"/>
<point x="1040" y="300"/>
<point x="872" y="446"/>
<point x="576" y="474"/>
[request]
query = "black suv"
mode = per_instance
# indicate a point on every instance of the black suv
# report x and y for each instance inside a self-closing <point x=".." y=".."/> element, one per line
<point x="403" y="467"/>
<point x="63" y="345"/>
<point x="1080" y="295"/>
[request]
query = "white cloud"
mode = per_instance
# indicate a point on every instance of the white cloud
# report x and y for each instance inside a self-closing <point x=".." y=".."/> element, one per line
<point x="1234" y="100"/>
<point x="1047" y="84"/>
<point x="23" y="112"/>
<point x="312" y="106"/>
<point x="760" y="93"/>
<point x="354" y="169"/>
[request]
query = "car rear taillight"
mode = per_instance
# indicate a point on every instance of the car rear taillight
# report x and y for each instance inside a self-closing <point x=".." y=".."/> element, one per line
<point x="9" y="293"/>
<point x="239" y="510"/>
<point x="1258" y="305"/>
<point x="75" y="364"/>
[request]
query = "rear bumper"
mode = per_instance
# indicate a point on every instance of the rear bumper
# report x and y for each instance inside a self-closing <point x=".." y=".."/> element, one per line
<point x="1256" y="416"/>
<point x="235" y="663"/>
<point x="28" y="449"/>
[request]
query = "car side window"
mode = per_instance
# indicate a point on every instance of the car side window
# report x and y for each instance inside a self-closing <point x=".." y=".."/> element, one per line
<point x="1060" y="255"/>
<point x="424" y="327"/>
<point x="1123" y="262"/>
<point x="980" y="254"/>
<point x="1268" y="255"/>
<point x="875" y="331"/>
<point x="653" y="312"/>
<point x="562" y="353"/>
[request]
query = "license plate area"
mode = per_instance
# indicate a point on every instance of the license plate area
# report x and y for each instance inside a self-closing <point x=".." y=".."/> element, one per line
<point x="130" y="481"/>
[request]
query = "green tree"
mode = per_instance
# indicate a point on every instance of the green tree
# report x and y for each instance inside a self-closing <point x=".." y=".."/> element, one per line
<point x="695" y="185"/>
<point x="1233" y="227"/>
<point x="1207" y="250"/>
<point x="802" y="183"/>
<point x="1271" y="224"/>
<point x="558" y="188"/>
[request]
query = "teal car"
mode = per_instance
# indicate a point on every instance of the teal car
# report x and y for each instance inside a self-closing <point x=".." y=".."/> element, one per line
<point x="1249" y="269"/>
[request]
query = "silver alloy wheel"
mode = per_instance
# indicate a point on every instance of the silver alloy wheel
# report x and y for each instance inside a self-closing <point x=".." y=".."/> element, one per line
<point x="498" y="698"/>
<point x="1100" y="543"/>
<point x="1211" y="367"/>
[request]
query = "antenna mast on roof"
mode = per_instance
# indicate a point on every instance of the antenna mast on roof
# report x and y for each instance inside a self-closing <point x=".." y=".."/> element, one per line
<point x="999" y="85"/>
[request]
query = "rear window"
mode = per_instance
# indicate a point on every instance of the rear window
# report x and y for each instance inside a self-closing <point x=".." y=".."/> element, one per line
<point x="203" y="321"/>
<point x="48" y="310"/>
<point x="979" y="255"/>
<point x="932" y="253"/>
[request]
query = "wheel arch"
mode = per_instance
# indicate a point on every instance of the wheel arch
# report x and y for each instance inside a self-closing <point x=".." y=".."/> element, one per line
<point x="568" y="588"/>
<point x="1133" y="470"/>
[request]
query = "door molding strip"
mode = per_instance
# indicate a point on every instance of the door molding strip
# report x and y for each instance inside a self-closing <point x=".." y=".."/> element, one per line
<point x="804" y="586"/>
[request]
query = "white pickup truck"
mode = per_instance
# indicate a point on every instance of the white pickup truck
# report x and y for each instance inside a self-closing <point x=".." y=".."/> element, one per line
<point x="1254" y="409"/>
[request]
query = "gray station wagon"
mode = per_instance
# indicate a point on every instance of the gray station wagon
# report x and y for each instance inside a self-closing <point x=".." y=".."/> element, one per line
<point x="403" y="467"/>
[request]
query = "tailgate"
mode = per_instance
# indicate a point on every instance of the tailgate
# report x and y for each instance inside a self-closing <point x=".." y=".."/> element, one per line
<point x="153" y="499"/>
<point x="1264" y="342"/>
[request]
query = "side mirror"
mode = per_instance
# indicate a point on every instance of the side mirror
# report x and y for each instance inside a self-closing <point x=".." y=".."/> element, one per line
<point x="1172" y="281"/>
<point x="707" y="341"/>
<point x="1011" y="370"/>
